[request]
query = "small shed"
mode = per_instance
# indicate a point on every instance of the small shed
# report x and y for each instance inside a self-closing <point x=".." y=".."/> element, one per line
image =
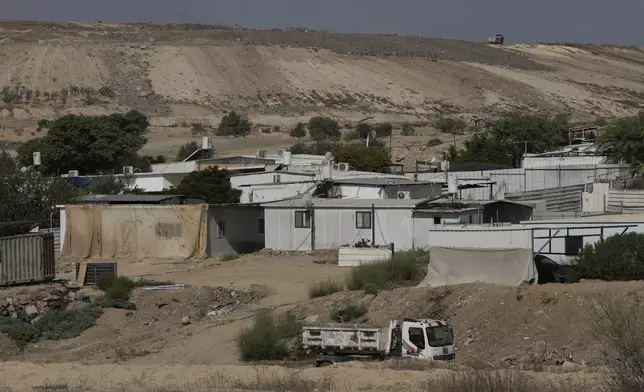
<point x="235" y="228"/>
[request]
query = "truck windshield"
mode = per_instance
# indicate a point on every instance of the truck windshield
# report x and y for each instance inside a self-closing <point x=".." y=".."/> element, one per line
<point x="439" y="336"/>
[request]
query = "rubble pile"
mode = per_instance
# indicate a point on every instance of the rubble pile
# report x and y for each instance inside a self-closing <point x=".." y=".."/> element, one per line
<point x="27" y="306"/>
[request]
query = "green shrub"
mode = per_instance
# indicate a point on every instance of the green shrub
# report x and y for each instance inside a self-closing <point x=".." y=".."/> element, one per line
<point x="59" y="325"/>
<point x="116" y="288"/>
<point x="299" y="131"/>
<point x="348" y="312"/>
<point x="19" y="331"/>
<point x="234" y="124"/>
<point x="403" y="269"/>
<point x="323" y="128"/>
<point x="370" y="288"/>
<point x="616" y="258"/>
<point x="324" y="288"/>
<point x="384" y="129"/>
<point x="269" y="338"/>
<point x="407" y="130"/>
<point x="229" y="257"/>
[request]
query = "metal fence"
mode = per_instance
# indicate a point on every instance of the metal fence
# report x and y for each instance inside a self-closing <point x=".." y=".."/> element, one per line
<point x="625" y="200"/>
<point x="567" y="198"/>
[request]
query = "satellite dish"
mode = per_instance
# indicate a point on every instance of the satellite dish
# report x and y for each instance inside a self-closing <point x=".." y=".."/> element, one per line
<point x="307" y="199"/>
<point x="433" y="159"/>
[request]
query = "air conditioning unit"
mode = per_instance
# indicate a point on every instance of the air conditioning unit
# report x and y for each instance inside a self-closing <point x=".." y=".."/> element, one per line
<point x="261" y="154"/>
<point x="128" y="169"/>
<point x="343" y="166"/>
<point x="74" y="173"/>
<point x="280" y="152"/>
<point x="277" y="178"/>
<point x="404" y="195"/>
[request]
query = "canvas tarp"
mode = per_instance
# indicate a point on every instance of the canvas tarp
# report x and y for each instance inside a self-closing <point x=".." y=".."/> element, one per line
<point x="136" y="231"/>
<point x="449" y="266"/>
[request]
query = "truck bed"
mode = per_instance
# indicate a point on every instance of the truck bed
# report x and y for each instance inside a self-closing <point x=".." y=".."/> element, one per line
<point x="347" y="339"/>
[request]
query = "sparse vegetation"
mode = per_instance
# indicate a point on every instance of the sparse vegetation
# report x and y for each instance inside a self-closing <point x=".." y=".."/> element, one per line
<point x="403" y="269"/>
<point x="434" y="142"/>
<point x="298" y="131"/>
<point x="498" y="381"/>
<point x="234" y="124"/>
<point x="384" y="129"/>
<point x="324" y="128"/>
<point x="228" y="257"/>
<point x="407" y="130"/>
<point x="618" y="257"/>
<point x="348" y="312"/>
<point x="619" y="324"/>
<point x="450" y="125"/>
<point x="363" y="130"/>
<point x="357" y="155"/>
<point x="186" y="150"/>
<point x="118" y="288"/>
<point x="324" y="288"/>
<point x="270" y="337"/>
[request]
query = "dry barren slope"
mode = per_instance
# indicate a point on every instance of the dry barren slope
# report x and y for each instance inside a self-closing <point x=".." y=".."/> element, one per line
<point x="179" y="69"/>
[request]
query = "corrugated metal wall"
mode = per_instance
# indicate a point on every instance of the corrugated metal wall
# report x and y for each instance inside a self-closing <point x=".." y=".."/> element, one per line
<point x="57" y="243"/>
<point x="560" y="199"/>
<point x="27" y="258"/>
<point x="625" y="200"/>
<point x="531" y="179"/>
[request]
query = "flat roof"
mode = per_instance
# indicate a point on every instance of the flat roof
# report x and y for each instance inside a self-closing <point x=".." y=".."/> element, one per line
<point x="346" y="203"/>
<point x="380" y="181"/>
<point x="128" y="198"/>
<point x="593" y="219"/>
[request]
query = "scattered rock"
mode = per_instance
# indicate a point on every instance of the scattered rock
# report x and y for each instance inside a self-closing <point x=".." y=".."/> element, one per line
<point x="78" y="305"/>
<point x="569" y="365"/>
<point x="468" y="342"/>
<point x="89" y="294"/>
<point x="311" y="319"/>
<point x="186" y="320"/>
<point x="31" y="311"/>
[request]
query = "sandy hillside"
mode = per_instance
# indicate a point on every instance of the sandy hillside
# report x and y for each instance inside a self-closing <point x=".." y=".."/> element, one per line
<point x="180" y="74"/>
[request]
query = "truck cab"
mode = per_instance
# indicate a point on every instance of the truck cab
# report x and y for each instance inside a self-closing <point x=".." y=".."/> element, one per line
<point x="427" y="339"/>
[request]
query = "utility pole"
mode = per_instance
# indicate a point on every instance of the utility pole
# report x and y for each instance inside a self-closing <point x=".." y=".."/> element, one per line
<point x="525" y="145"/>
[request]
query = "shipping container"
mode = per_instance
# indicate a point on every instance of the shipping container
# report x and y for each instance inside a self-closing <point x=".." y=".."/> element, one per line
<point x="28" y="258"/>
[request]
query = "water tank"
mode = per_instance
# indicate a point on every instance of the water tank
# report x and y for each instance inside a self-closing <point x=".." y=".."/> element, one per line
<point x="452" y="185"/>
<point x="205" y="144"/>
<point x="326" y="171"/>
<point x="36" y="158"/>
<point x="286" y="158"/>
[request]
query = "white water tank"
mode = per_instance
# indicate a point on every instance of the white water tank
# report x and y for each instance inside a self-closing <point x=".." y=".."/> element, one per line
<point x="326" y="171"/>
<point x="286" y="158"/>
<point x="452" y="185"/>
<point x="205" y="143"/>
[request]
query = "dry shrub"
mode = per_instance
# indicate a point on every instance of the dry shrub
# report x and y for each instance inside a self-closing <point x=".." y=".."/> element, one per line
<point x="292" y="381"/>
<point x="619" y="325"/>
<point x="499" y="381"/>
<point x="403" y="269"/>
<point x="324" y="288"/>
<point x="270" y="337"/>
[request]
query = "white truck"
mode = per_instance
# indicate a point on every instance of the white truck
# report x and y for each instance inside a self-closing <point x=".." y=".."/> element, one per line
<point x="423" y="339"/>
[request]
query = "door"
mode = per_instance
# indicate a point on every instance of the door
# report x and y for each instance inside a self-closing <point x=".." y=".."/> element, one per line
<point x="414" y="341"/>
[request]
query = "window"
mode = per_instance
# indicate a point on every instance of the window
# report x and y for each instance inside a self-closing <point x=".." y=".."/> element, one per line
<point x="168" y="230"/>
<point x="437" y="220"/>
<point x="363" y="219"/>
<point x="417" y="337"/>
<point x="302" y="219"/>
<point x="574" y="245"/>
<point x="260" y="226"/>
<point x="471" y="219"/>
<point x="221" y="229"/>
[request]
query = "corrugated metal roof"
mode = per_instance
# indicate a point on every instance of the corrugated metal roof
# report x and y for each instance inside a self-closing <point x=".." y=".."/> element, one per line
<point x="127" y="198"/>
<point x="345" y="203"/>
<point x="594" y="219"/>
<point x="377" y="181"/>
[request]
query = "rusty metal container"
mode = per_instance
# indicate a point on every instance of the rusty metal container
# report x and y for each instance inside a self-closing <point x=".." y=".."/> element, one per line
<point x="28" y="258"/>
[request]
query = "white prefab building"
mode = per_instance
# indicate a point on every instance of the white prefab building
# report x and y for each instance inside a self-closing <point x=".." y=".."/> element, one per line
<point x="384" y="188"/>
<point x="332" y="223"/>
<point x="271" y="186"/>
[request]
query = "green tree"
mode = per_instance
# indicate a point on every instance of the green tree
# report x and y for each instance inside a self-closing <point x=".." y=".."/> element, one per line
<point x="363" y="130"/>
<point x="109" y="185"/>
<point x="234" y="124"/>
<point x="357" y="155"/>
<point x="623" y="140"/>
<point x="212" y="185"/>
<point x="28" y="195"/>
<point x="618" y="257"/>
<point x="298" y="131"/>
<point x="324" y="128"/>
<point x="185" y="151"/>
<point x="407" y="130"/>
<point x="450" y="125"/>
<point x="8" y="164"/>
<point x="384" y="129"/>
<point x="91" y="144"/>
<point x="504" y="142"/>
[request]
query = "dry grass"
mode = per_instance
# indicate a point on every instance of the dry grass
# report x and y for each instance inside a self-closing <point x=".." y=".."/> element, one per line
<point x="500" y="381"/>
